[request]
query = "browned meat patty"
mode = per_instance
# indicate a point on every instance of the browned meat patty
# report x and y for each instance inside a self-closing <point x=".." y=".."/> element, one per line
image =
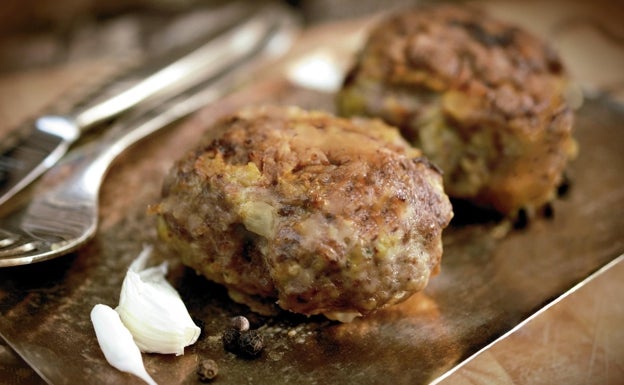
<point x="316" y="213"/>
<point x="484" y="100"/>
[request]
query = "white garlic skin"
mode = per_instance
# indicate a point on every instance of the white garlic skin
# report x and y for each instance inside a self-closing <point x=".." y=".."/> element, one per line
<point x="117" y="343"/>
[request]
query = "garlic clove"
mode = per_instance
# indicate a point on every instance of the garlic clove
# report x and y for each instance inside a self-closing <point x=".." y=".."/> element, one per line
<point x="117" y="343"/>
<point x="153" y="311"/>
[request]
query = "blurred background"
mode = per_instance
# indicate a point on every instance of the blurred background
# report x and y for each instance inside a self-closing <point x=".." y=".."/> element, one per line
<point x="40" y="33"/>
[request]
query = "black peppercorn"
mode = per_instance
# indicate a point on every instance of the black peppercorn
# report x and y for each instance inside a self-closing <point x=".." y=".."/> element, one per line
<point x="240" y="340"/>
<point x="231" y="339"/>
<point x="251" y="343"/>
<point x="207" y="370"/>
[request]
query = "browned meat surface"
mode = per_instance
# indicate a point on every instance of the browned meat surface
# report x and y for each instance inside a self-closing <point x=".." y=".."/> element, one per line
<point x="315" y="213"/>
<point x="484" y="100"/>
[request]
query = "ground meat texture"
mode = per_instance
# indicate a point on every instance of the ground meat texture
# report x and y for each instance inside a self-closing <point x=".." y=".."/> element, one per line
<point x="318" y="214"/>
<point x="486" y="101"/>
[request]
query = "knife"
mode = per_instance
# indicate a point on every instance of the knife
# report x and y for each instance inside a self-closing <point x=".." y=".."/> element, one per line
<point x="26" y="158"/>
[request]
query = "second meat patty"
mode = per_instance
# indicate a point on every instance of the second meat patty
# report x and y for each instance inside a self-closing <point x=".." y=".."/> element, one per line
<point x="485" y="100"/>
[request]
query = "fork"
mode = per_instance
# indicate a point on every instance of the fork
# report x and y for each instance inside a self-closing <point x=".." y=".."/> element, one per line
<point x="63" y="214"/>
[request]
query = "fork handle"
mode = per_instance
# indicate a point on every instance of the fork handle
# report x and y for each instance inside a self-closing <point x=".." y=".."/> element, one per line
<point x="201" y="64"/>
<point x="270" y="38"/>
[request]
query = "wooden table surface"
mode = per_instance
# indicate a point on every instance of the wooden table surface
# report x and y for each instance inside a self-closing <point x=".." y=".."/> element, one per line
<point x="580" y="339"/>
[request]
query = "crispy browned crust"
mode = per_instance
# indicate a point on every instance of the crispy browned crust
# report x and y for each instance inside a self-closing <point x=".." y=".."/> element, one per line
<point x="484" y="99"/>
<point x="320" y="214"/>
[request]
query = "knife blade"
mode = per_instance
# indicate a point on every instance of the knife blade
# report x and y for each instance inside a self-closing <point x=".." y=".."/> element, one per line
<point x="25" y="159"/>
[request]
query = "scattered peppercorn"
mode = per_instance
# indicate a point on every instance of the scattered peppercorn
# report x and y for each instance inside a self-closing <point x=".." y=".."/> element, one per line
<point x="231" y="339"/>
<point x="240" y="323"/>
<point x="207" y="370"/>
<point x="548" y="210"/>
<point x="242" y="341"/>
<point x="251" y="343"/>
<point x="522" y="219"/>
<point x="564" y="187"/>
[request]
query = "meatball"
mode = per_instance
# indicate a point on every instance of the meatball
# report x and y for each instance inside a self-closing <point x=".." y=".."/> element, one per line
<point x="486" y="101"/>
<point x="318" y="214"/>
